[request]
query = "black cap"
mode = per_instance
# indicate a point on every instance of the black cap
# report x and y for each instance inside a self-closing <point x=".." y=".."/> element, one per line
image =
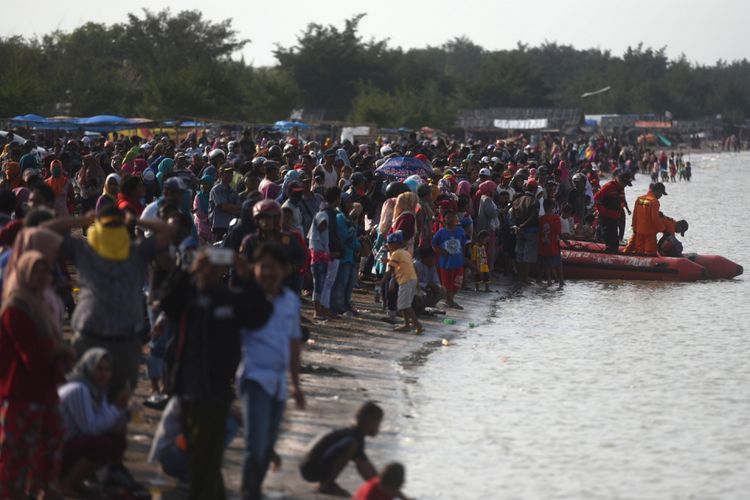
<point x="659" y="186"/>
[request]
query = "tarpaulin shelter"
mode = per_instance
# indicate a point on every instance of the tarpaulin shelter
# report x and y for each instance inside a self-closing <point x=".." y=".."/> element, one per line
<point x="98" y="123"/>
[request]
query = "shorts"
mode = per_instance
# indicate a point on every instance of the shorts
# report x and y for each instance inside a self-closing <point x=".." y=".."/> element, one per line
<point x="406" y="293"/>
<point x="552" y="262"/>
<point x="527" y="247"/>
<point x="451" y="279"/>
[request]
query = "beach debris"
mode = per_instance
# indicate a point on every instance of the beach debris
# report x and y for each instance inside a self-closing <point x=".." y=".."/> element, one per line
<point x="472" y="325"/>
<point x="310" y="341"/>
<point x="449" y="321"/>
<point x="446" y="342"/>
<point x="326" y="371"/>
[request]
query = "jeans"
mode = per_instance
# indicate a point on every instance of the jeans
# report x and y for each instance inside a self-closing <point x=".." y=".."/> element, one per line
<point x="341" y="295"/>
<point x="325" y="298"/>
<point x="157" y="351"/>
<point x="262" y="415"/>
<point x="319" y="271"/>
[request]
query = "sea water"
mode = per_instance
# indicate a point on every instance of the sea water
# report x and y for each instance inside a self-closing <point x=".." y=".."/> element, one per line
<point x="605" y="389"/>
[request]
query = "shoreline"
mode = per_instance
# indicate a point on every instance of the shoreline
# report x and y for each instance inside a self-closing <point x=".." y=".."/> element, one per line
<point x="347" y="362"/>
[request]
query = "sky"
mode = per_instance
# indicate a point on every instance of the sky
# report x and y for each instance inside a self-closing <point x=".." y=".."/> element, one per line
<point x="705" y="31"/>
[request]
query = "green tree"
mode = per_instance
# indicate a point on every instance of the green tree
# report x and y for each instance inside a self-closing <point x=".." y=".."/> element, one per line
<point x="328" y="64"/>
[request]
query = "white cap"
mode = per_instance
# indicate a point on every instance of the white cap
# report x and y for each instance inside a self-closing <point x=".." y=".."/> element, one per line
<point x="216" y="152"/>
<point x="485" y="172"/>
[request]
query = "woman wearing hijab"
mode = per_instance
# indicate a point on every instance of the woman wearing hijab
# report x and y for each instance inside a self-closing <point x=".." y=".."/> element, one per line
<point x="63" y="189"/>
<point x="165" y="166"/>
<point x="30" y="427"/>
<point x="109" y="193"/>
<point x="48" y="244"/>
<point x="464" y="189"/>
<point x="405" y="218"/>
<point x="128" y="162"/>
<point x="90" y="181"/>
<point x="94" y="429"/>
<point x="487" y="218"/>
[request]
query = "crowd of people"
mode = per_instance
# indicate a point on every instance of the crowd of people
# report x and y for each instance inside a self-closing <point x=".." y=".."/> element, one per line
<point x="207" y="248"/>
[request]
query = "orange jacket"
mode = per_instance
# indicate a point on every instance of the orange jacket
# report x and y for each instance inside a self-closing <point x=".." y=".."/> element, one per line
<point x="646" y="218"/>
<point x="669" y="224"/>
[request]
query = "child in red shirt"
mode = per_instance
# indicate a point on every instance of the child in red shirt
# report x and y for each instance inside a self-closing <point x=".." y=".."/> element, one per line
<point x="385" y="486"/>
<point x="549" y="244"/>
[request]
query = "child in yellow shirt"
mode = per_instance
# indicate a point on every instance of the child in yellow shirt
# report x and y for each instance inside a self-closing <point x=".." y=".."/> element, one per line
<point x="479" y="259"/>
<point x="401" y="265"/>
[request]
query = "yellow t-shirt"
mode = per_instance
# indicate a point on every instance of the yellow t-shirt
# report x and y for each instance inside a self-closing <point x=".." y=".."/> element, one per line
<point x="403" y="266"/>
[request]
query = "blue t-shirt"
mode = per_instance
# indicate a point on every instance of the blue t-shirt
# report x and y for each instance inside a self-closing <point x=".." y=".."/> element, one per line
<point x="452" y="241"/>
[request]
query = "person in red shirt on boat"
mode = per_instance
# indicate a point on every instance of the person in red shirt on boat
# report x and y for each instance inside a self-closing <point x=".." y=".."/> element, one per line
<point x="385" y="486"/>
<point x="647" y="221"/>
<point x="609" y="205"/>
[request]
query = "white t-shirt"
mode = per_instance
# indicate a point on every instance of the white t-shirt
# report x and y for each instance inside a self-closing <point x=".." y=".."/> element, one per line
<point x="330" y="179"/>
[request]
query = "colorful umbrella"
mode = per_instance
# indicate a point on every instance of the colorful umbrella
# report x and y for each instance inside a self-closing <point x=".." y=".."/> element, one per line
<point x="404" y="166"/>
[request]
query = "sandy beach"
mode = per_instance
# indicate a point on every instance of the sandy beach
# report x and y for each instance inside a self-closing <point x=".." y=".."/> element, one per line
<point x="347" y="362"/>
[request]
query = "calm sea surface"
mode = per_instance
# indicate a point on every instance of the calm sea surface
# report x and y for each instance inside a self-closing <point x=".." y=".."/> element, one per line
<point x="604" y="389"/>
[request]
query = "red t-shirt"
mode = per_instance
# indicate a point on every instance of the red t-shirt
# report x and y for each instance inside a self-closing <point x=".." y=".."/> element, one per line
<point x="549" y="235"/>
<point x="371" y="490"/>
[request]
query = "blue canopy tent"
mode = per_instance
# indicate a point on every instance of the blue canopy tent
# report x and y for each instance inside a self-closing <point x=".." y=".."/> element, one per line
<point x="99" y="123"/>
<point x="285" y="126"/>
<point x="25" y="120"/>
<point x="107" y="123"/>
<point x="41" y="123"/>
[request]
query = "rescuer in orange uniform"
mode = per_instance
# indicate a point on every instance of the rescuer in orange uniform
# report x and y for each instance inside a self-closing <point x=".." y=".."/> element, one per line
<point x="647" y="221"/>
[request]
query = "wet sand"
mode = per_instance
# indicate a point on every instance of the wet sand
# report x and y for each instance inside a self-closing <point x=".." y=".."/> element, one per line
<point x="349" y="361"/>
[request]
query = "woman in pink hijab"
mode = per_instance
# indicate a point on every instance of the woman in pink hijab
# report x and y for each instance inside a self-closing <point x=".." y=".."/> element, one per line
<point x="464" y="189"/>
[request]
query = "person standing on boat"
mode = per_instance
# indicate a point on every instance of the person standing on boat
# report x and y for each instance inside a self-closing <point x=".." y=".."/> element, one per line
<point x="647" y="221"/>
<point x="609" y="204"/>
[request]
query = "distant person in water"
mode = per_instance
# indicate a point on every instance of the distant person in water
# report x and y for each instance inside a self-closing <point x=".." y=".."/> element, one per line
<point x="329" y="454"/>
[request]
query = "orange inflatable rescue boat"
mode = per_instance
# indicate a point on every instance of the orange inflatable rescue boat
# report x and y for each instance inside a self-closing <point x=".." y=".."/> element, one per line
<point x="587" y="260"/>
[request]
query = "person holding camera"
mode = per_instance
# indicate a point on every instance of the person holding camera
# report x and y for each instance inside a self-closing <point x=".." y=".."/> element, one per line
<point x="206" y="353"/>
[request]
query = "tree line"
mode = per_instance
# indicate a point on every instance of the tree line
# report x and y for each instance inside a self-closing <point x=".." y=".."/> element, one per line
<point x="164" y="65"/>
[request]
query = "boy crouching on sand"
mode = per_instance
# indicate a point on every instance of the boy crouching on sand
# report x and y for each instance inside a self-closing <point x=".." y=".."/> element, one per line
<point x="331" y="452"/>
<point x="401" y="264"/>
